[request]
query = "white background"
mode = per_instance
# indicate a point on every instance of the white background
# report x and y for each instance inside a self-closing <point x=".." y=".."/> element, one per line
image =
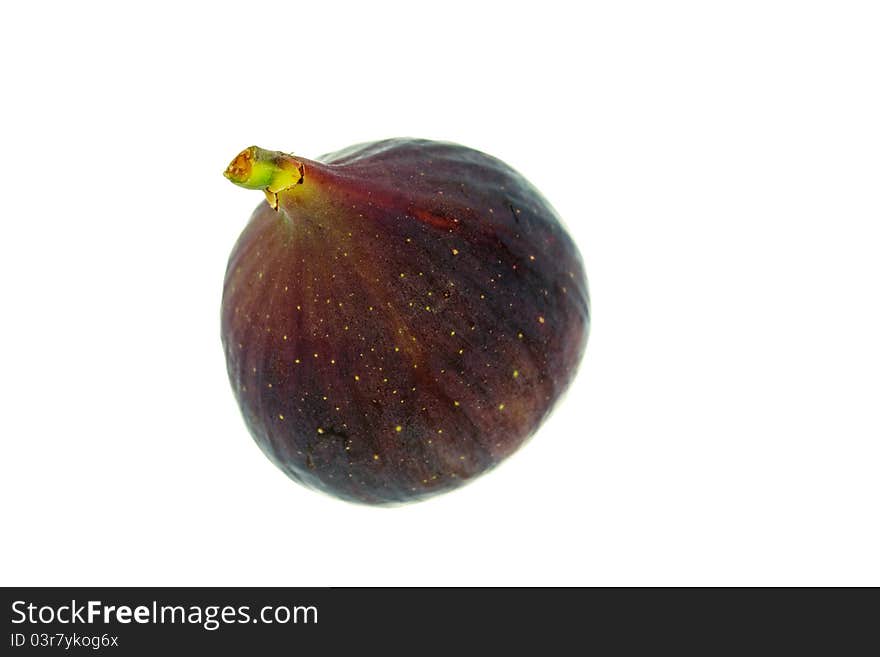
<point x="718" y="164"/>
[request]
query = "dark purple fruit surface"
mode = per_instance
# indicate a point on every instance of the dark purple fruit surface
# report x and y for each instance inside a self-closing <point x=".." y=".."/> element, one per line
<point x="399" y="316"/>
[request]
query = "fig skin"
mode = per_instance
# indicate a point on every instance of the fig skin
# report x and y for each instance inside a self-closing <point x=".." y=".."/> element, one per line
<point x="403" y="320"/>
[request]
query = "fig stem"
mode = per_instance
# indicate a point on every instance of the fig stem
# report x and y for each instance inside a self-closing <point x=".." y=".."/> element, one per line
<point x="270" y="171"/>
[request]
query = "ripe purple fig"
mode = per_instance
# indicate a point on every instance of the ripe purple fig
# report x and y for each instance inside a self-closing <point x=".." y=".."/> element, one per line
<point x="399" y="316"/>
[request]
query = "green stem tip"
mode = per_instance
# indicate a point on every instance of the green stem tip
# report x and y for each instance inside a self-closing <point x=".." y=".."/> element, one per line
<point x="270" y="171"/>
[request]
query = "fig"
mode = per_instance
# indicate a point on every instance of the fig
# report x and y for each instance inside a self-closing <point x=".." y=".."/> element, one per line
<point x="399" y="316"/>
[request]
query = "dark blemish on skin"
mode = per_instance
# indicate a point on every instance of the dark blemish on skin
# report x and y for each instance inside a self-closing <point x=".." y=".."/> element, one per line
<point x="512" y="211"/>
